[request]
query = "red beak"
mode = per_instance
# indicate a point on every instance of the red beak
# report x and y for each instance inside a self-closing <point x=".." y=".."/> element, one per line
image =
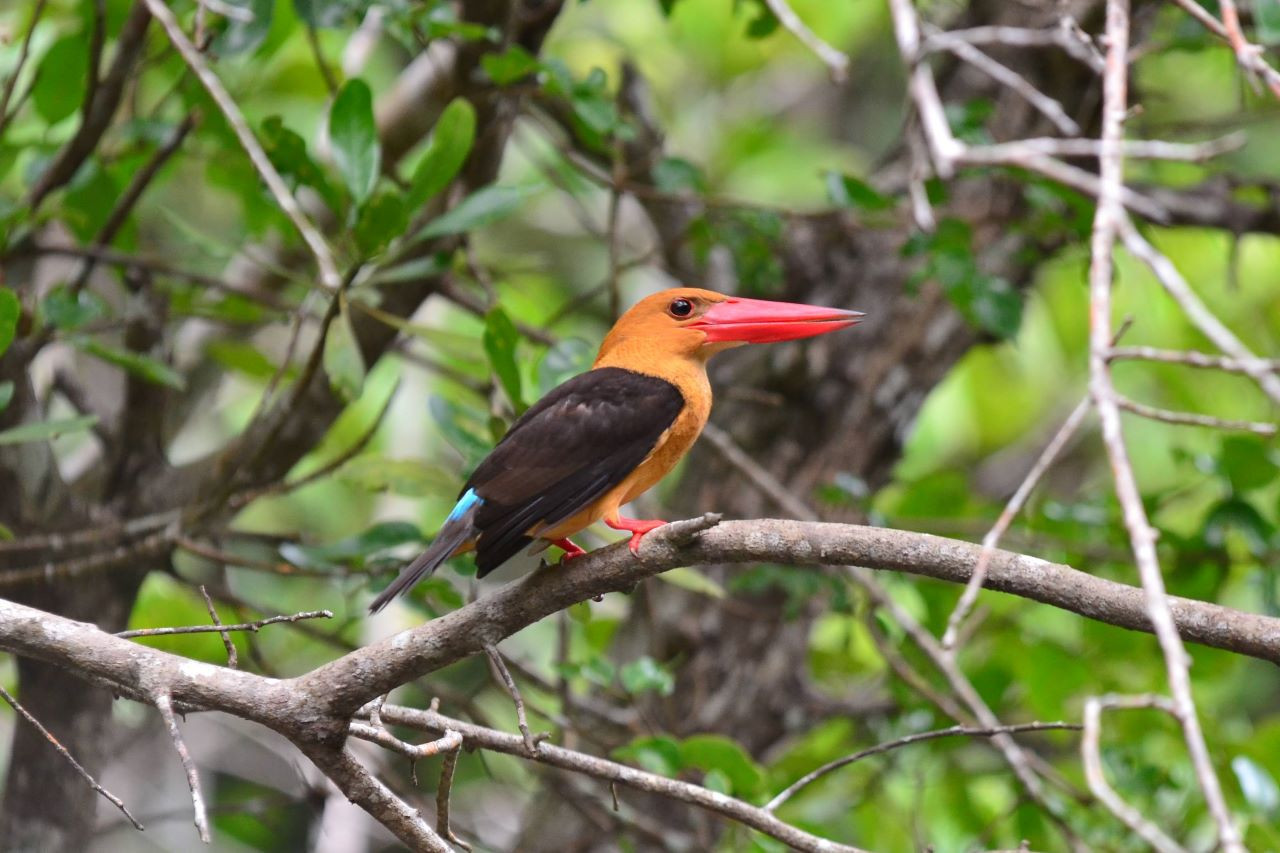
<point x="757" y="321"/>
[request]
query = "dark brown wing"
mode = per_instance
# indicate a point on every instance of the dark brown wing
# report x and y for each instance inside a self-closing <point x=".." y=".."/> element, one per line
<point x="575" y="444"/>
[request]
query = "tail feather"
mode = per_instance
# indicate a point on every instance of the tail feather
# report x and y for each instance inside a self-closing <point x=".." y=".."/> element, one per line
<point x="457" y="531"/>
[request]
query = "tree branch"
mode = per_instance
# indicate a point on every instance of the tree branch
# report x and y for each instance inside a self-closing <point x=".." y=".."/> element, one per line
<point x="611" y="771"/>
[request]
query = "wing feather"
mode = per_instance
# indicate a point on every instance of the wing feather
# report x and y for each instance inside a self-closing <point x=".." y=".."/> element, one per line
<point x="578" y="442"/>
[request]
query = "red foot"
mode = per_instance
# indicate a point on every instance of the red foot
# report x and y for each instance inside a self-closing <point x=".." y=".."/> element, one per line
<point x="637" y="527"/>
<point x="570" y="550"/>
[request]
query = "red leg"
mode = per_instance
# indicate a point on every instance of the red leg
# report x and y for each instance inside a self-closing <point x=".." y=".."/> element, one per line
<point x="570" y="550"/>
<point x="637" y="527"/>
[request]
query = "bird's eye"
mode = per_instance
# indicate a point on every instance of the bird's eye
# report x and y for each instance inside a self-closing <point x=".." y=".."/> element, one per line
<point x="680" y="308"/>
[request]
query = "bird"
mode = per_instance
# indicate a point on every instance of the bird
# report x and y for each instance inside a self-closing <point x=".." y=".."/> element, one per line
<point x="602" y="438"/>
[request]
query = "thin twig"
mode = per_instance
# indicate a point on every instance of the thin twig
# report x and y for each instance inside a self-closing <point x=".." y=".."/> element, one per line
<point x="325" y="263"/>
<point x="531" y="741"/>
<point x="379" y="735"/>
<point x="1195" y="309"/>
<point x="1091" y="758"/>
<point x="252" y="627"/>
<point x="1007" y="515"/>
<point x="1108" y="223"/>
<point x="1249" y="56"/>
<point x="611" y="771"/>
<point x="967" y="731"/>
<point x="232" y="659"/>
<point x="1193" y="419"/>
<point x="1192" y="358"/>
<point x="165" y="706"/>
<point x="11" y="81"/>
<point x="837" y="63"/>
<point x="62" y="750"/>
<point x="1047" y="106"/>
<point x="1062" y="36"/>
<point x="442" y="796"/>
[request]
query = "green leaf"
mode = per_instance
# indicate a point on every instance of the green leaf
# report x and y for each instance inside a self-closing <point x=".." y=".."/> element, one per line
<point x="354" y="137"/>
<point x="500" y="339"/>
<point x="675" y="174"/>
<point x="1246" y="462"/>
<point x="10" y="310"/>
<point x="321" y="14"/>
<point x="1266" y="17"/>
<point x="849" y="192"/>
<point x="6" y="394"/>
<point x="483" y="207"/>
<point x="6" y="534"/>
<point x="1257" y="785"/>
<point x="244" y="36"/>
<point x="60" y="84"/>
<point x="511" y="65"/>
<point x="242" y="357"/>
<point x="460" y="429"/>
<point x="659" y="755"/>
<point x="65" y="309"/>
<point x="646" y="674"/>
<point x="717" y="780"/>
<point x="694" y="581"/>
<point x="451" y="141"/>
<point x="46" y="430"/>
<point x="715" y="752"/>
<point x="382" y="219"/>
<point x="342" y="359"/>
<point x="143" y="366"/>
<point x="354" y="550"/>
<point x="1236" y="514"/>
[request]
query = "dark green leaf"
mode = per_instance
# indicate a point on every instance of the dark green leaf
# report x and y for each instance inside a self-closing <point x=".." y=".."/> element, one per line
<point x="381" y="220"/>
<point x="500" y="339"/>
<point x="1266" y="17"/>
<point x="451" y="141"/>
<point x="143" y="366"/>
<point x="6" y="394"/>
<point x="416" y="270"/>
<point x="60" y="85"/>
<point x="460" y="429"/>
<point x="1246" y="461"/>
<point x="46" y="429"/>
<point x="483" y="207"/>
<point x="715" y="752"/>
<point x="10" y="311"/>
<point x="645" y="674"/>
<point x="1239" y="515"/>
<point x="67" y="310"/>
<point x="243" y="36"/>
<point x="509" y="66"/>
<point x="659" y="755"/>
<point x="674" y="174"/>
<point x="354" y="137"/>
<point x="321" y="14"/>
<point x="849" y="192"/>
<point x="343" y="362"/>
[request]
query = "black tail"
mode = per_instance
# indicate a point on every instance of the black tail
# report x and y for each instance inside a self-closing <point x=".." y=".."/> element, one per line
<point x="455" y="533"/>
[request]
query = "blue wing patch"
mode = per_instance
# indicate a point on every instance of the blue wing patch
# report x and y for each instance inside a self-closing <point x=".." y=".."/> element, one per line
<point x="466" y="502"/>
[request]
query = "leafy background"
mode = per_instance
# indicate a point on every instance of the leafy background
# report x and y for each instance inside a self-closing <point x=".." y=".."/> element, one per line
<point x="737" y="98"/>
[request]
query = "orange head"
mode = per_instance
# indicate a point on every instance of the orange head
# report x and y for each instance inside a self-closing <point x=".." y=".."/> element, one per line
<point x="693" y="323"/>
